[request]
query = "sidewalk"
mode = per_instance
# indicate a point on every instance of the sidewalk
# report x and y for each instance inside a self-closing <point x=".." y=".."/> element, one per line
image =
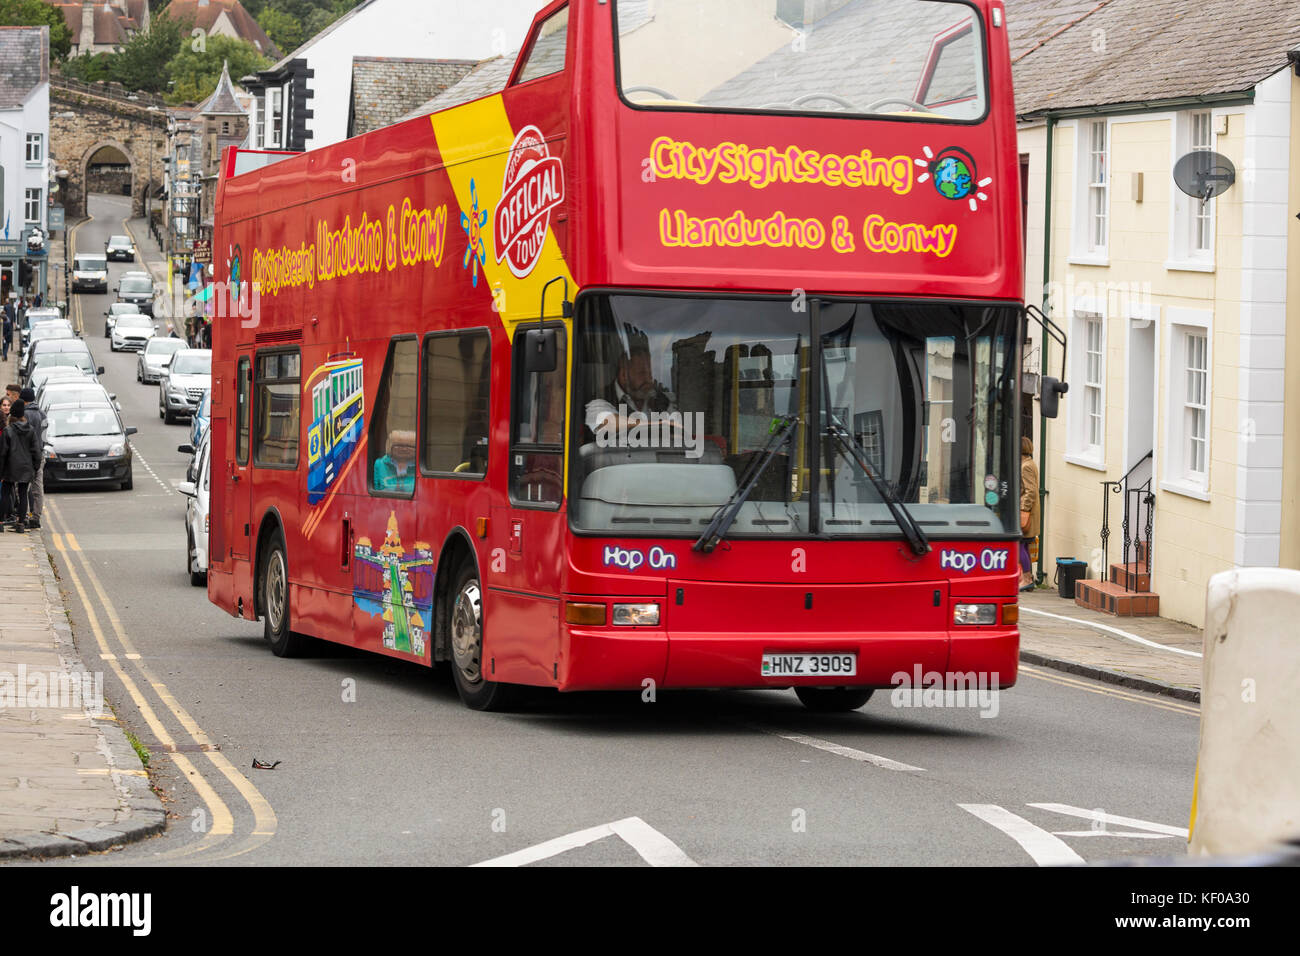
<point x="70" y="782"/>
<point x="1145" y="653"/>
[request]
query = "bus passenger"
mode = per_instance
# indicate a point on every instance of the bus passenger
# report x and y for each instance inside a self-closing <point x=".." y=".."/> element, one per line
<point x="396" y="471"/>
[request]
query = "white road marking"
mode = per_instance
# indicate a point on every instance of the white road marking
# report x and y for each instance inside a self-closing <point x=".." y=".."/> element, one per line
<point x="841" y="751"/>
<point x="1114" y="833"/>
<point x="135" y="453"/>
<point x="652" y="846"/>
<point x="1044" y="848"/>
<point x="1163" y="829"/>
<point x="1112" y="630"/>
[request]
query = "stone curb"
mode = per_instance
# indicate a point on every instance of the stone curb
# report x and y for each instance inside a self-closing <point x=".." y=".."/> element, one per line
<point x="1106" y="676"/>
<point x="146" y="815"/>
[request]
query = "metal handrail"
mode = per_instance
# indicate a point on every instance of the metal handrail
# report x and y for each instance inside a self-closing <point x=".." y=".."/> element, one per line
<point x="1134" y="501"/>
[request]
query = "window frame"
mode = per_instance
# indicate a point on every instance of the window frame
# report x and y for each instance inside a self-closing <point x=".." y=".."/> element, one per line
<point x="983" y="81"/>
<point x="254" y="442"/>
<point x="1090" y="194"/>
<point x="1080" y="449"/>
<point x="424" y="405"/>
<point x="522" y="64"/>
<point x="374" y="419"/>
<point x="1185" y="212"/>
<point x="516" y="394"/>
<point x="37" y="139"/>
<point x="1184" y="325"/>
<point x="32" y="195"/>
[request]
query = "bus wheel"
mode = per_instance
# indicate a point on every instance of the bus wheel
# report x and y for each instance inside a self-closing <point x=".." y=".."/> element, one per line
<point x="465" y="627"/>
<point x="275" y="601"/>
<point x="833" y="700"/>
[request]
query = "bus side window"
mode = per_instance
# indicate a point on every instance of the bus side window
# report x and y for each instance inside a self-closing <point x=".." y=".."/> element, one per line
<point x="457" y="389"/>
<point x="537" y="428"/>
<point x="392" y="427"/>
<point x="241" y="412"/>
<point x="275" y="443"/>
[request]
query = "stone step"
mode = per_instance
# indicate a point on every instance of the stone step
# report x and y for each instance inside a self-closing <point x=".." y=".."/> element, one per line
<point x="1132" y="576"/>
<point x="1111" y="598"/>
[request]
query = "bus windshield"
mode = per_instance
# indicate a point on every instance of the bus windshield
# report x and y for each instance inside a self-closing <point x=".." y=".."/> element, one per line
<point x="677" y="397"/>
<point x="919" y="59"/>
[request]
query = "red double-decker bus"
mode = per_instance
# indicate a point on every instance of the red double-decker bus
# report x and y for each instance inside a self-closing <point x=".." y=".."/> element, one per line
<point x="689" y="358"/>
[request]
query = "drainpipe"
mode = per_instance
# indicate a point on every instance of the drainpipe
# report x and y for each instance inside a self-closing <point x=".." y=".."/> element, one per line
<point x="1047" y="278"/>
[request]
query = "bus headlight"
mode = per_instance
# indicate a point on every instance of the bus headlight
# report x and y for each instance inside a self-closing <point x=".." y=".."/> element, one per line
<point x="975" y="614"/>
<point x="636" y="615"/>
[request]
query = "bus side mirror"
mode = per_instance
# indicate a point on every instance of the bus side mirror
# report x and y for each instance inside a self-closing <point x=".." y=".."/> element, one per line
<point x="1050" y="401"/>
<point x="540" y="350"/>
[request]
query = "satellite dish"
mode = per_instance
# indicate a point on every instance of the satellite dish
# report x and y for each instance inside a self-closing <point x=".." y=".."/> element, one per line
<point x="1203" y="174"/>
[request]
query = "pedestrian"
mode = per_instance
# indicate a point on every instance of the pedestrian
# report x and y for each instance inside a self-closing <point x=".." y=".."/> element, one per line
<point x="19" y="455"/>
<point x="9" y="322"/>
<point x="36" y="493"/>
<point x="13" y="392"/>
<point x="36" y="303"/>
<point x="6" y="487"/>
<point x="1030" y="503"/>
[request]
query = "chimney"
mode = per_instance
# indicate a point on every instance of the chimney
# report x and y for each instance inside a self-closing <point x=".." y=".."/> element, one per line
<point x="87" y="44"/>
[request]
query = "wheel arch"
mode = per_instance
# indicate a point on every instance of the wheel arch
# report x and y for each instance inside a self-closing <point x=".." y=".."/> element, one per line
<point x="271" y="523"/>
<point x="456" y="548"/>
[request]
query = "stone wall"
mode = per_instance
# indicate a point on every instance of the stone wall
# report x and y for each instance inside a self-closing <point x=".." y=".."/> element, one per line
<point x="104" y="120"/>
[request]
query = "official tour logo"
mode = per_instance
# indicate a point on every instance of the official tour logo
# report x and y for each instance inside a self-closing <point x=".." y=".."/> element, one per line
<point x="532" y="187"/>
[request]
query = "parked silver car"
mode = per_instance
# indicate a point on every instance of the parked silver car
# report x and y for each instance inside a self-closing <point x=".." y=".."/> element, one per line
<point x="154" y="358"/>
<point x="182" y="384"/>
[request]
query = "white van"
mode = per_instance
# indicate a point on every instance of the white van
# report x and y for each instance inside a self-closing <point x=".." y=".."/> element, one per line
<point x="89" y="272"/>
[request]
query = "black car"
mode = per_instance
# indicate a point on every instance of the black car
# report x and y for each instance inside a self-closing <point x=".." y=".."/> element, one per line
<point x="86" y="443"/>
<point x="120" y="247"/>
<point x="137" y="290"/>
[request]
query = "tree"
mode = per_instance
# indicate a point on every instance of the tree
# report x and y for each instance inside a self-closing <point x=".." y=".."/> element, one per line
<point x="142" y="63"/>
<point x="195" y="72"/>
<point x="37" y="13"/>
<point x="283" y="28"/>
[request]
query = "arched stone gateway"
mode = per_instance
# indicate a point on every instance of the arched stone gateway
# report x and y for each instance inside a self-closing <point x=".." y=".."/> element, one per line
<point x="107" y="141"/>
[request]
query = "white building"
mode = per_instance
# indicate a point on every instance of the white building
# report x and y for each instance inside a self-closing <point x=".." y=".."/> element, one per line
<point x="306" y="100"/>
<point x="24" y="152"/>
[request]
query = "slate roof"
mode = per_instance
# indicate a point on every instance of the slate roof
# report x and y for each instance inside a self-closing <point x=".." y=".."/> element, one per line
<point x="1154" y="50"/>
<point x="24" y="63"/>
<point x="386" y="88"/>
<point x="205" y="13"/>
<point x="223" y="101"/>
<point x="489" y="76"/>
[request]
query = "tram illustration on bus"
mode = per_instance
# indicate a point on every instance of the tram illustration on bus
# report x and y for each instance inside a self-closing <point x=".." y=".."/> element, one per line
<point x="337" y="403"/>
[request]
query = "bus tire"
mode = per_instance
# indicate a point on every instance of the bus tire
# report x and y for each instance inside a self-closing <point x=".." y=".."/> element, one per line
<point x="465" y="631"/>
<point x="274" y="580"/>
<point x="833" y="700"/>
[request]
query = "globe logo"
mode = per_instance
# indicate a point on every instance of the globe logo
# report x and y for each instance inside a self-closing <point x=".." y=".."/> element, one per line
<point x="954" y="174"/>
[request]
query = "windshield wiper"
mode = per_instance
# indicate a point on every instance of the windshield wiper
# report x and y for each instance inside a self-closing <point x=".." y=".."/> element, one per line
<point x="778" y="434"/>
<point x="906" y="523"/>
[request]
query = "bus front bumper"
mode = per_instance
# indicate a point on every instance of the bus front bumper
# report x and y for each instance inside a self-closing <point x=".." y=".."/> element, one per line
<point x="607" y="658"/>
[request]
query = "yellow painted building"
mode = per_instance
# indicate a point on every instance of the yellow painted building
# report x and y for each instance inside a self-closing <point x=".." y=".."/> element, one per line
<point x="1183" y="316"/>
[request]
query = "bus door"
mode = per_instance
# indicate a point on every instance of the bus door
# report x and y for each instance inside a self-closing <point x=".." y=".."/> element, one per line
<point x="523" y="622"/>
<point x="239" y="483"/>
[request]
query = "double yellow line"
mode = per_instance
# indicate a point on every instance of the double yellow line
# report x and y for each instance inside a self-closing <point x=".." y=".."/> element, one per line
<point x="1163" y="703"/>
<point x="129" y="662"/>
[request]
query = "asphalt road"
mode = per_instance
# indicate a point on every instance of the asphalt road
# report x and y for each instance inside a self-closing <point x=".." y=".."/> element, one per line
<point x="403" y="774"/>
